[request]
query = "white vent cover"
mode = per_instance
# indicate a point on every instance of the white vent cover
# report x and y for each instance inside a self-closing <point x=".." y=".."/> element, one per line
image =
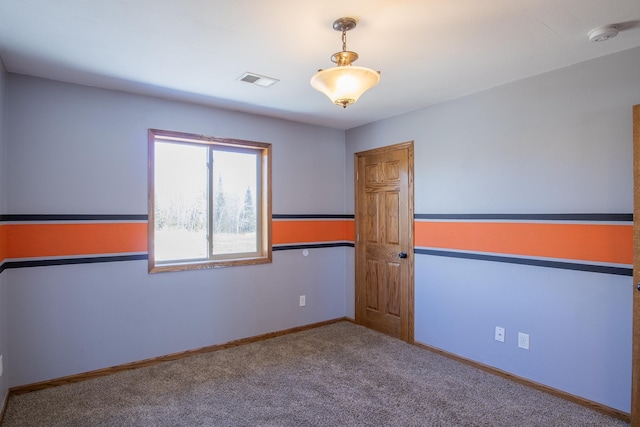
<point x="258" y="80"/>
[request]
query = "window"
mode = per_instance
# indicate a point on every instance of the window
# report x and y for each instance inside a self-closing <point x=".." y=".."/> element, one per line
<point x="209" y="202"/>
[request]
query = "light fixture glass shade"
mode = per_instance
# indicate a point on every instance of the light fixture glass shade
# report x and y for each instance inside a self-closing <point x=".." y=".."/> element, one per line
<point x="344" y="85"/>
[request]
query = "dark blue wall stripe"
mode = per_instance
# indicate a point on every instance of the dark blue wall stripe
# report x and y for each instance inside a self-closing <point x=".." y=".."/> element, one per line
<point x="614" y="217"/>
<point x="312" y="216"/>
<point x="69" y="261"/>
<point x="141" y="217"/>
<point x="138" y="257"/>
<point x="620" y="271"/>
<point x="313" y="246"/>
<point x="66" y="217"/>
<point x="604" y="217"/>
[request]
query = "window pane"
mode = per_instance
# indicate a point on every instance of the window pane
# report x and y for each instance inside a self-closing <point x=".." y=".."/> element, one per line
<point x="180" y="201"/>
<point x="235" y="177"/>
<point x="209" y="202"/>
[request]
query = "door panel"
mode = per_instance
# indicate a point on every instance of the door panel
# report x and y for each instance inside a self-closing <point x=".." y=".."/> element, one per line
<point x="373" y="228"/>
<point x="392" y="209"/>
<point x="393" y="289"/>
<point x="384" y="224"/>
<point x="372" y="285"/>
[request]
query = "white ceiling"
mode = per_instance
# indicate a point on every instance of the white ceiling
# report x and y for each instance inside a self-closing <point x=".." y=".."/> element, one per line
<point x="428" y="51"/>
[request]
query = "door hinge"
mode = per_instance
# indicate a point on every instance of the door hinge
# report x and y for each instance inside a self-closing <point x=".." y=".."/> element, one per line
<point x="357" y="176"/>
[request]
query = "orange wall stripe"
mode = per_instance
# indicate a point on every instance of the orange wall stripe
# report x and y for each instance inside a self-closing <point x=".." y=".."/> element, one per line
<point x="284" y="232"/>
<point x="587" y="242"/>
<point x="3" y="243"/>
<point x="41" y="240"/>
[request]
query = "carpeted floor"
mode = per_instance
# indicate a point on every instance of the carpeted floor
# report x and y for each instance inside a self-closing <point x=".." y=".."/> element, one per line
<point x="336" y="375"/>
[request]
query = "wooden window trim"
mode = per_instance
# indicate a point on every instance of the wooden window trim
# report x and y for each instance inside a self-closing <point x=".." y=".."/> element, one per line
<point x="264" y="207"/>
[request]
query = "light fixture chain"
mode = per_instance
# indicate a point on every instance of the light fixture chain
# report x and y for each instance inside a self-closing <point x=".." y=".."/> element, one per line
<point x="344" y="40"/>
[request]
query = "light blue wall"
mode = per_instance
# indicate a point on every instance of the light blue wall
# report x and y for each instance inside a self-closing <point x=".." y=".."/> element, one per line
<point x="560" y="142"/>
<point x="4" y="383"/>
<point x="74" y="149"/>
<point x="92" y="146"/>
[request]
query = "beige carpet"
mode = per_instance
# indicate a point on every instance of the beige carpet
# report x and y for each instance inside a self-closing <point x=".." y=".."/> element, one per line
<point x="336" y="375"/>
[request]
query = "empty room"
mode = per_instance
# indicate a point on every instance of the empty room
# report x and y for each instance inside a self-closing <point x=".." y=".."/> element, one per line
<point x="364" y="212"/>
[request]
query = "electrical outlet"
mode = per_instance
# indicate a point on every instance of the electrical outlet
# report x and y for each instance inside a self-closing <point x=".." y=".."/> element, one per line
<point x="523" y="341"/>
<point x="303" y="301"/>
<point x="499" y="334"/>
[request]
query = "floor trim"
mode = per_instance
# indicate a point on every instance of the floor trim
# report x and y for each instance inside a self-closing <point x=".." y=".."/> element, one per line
<point x="27" y="388"/>
<point x="607" y="410"/>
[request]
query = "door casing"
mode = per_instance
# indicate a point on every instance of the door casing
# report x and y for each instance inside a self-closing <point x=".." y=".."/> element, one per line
<point x="635" y="371"/>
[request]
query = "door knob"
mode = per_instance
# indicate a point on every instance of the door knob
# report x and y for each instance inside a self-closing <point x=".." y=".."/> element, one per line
<point x="404" y="255"/>
<point x="638" y="287"/>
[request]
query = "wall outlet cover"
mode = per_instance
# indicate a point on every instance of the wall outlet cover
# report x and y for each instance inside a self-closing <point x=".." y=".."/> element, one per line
<point x="523" y="341"/>
<point x="499" y="336"/>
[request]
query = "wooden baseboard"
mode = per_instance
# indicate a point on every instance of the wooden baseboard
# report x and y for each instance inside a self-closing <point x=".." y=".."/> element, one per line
<point x="612" y="412"/>
<point x="161" y="359"/>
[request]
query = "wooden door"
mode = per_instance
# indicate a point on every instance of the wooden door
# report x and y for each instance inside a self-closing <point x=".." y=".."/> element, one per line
<point x="384" y="240"/>
<point x="635" y="376"/>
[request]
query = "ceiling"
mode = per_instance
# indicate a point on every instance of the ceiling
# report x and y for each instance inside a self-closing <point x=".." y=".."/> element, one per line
<point x="428" y="51"/>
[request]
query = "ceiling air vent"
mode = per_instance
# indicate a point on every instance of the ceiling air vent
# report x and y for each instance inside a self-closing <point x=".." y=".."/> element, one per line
<point x="258" y="80"/>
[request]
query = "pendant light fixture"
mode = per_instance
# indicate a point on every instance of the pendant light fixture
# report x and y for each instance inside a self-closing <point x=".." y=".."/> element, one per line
<point x="345" y="83"/>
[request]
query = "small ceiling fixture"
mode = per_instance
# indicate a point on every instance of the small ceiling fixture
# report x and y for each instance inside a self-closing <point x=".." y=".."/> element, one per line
<point x="345" y="83"/>
<point x="604" y="33"/>
<point x="257" y="79"/>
